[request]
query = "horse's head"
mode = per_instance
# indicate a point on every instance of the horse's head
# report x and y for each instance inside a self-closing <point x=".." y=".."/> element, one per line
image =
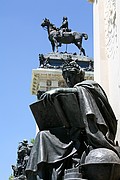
<point x="45" y="22"/>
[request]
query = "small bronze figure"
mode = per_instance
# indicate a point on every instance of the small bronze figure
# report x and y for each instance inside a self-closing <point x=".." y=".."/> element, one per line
<point x="23" y="154"/>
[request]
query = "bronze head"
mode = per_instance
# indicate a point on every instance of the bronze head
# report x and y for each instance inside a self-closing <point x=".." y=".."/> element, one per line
<point x="72" y="73"/>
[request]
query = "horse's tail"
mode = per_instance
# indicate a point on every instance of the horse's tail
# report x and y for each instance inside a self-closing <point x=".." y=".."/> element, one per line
<point x="85" y="36"/>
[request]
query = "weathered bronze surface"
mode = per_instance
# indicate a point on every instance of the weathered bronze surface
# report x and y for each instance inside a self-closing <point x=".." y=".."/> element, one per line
<point x="75" y="123"/>
<point x="23" y="154"/>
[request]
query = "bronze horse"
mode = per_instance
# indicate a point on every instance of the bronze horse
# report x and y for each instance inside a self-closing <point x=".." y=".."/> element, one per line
<point x="56" y="38"/>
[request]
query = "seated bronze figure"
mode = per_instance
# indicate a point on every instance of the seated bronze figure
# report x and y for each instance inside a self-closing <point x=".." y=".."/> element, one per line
<point x="73" y="122"/>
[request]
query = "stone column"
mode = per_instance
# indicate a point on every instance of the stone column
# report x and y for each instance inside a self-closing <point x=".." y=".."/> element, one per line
<point x="107" y="51"/>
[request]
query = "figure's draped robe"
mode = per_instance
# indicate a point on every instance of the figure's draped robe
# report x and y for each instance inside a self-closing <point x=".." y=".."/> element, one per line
<point x="95" y="116"/>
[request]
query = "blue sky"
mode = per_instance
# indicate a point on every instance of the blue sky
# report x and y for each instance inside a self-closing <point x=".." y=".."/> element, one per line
<point x="21" y="40"/>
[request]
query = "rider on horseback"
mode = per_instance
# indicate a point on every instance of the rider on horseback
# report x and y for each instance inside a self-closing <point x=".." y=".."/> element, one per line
<point x="64" y="26"/>
<point x="64" y="23"/>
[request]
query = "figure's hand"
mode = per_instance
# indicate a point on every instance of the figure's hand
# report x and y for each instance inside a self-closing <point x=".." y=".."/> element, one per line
<point x="48" y="96"/>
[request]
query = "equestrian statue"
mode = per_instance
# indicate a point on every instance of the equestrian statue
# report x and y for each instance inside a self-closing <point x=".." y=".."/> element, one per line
<point x="63" y="35"/>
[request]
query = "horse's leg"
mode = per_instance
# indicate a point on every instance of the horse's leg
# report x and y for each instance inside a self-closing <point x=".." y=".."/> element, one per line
<point x="53" y="46"/>
<point x="78" y="44"/>
<point x="82" y="51"/>
<point x="56" y="44"/>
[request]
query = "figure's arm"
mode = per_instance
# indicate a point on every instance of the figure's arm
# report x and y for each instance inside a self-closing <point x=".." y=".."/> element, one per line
<point x="48" y="96"/>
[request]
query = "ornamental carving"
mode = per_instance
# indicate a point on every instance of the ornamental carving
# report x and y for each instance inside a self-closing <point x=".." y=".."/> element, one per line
<point x="110" y="28"/>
